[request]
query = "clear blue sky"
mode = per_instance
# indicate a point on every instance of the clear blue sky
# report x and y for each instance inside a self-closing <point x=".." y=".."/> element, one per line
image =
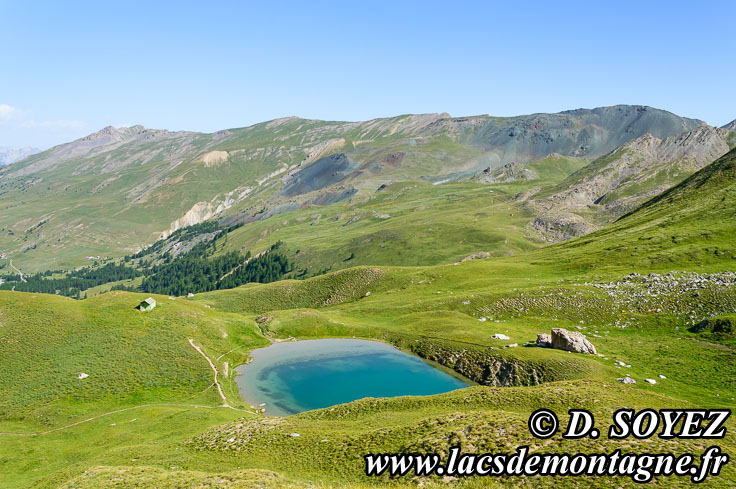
<point x="70" y="68"/>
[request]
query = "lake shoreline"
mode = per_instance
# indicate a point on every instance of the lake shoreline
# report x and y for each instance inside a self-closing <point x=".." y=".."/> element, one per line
<point x="358" y="357"/>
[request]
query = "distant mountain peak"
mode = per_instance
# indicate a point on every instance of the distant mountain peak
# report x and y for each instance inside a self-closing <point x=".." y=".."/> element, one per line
<point x="731" y="126"/>
<point x="113" y="133"/>
<point x="11" y="155"/>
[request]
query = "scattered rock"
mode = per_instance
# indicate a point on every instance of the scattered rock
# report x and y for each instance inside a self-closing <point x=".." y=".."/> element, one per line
<point x="650" y="381"/>
<point x="500" y="336"/>
<point x="725" y="326"/>
<point x="480" y="255"/>
<point x="627" y="380"/>
<point x="295" y="435"/>
<point x="545" y="340"/>
<point x="573" y="341"/>
<point x="662" y="376"/>
<point x="264" y="319"/>
<point x="655" y="293"/>
<point x="190" y="294"/>
<point x="82" y="376"/>
<point x="512" y="345"/>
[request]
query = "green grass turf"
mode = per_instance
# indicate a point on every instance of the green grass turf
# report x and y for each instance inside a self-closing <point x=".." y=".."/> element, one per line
<point x="143" y="368"/>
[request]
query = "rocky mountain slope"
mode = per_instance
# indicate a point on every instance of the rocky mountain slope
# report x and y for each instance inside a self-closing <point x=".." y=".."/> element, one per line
<point x="118" y="190"/>
<point x="617" y="183"/>
<point x="693" y="221"/>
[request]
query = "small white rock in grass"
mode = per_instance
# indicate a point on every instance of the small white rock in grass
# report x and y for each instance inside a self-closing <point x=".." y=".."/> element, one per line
<point x="650" y="381"/>
<point x="466" y="302"/>
<point x="626" y="380"/>
<point x="512" y="345"/>
<point x="482" y="320"/>
<point x="662" y="376"/>
<point x="367" y="293"/>
<point x="295" y="435"/>
<point x="82" y="376"/>
<point x="500" y="336"/>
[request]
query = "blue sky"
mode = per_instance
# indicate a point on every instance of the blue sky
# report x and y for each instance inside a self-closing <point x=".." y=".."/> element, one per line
<point x="70" y="68"/>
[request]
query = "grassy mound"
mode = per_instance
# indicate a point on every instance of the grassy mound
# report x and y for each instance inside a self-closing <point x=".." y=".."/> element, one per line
<point x="321" y="291"/>
<point x="477" y="419"/>
<point x="127" y="357"/>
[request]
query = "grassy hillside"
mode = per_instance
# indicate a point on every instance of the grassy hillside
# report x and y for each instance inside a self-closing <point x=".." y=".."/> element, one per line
<point x="403" y="224"/>
<point x="150" y="413"/>
<point x="690" y="225"/>
<point x="118" y="190"/>
<point x="130" y="357"/>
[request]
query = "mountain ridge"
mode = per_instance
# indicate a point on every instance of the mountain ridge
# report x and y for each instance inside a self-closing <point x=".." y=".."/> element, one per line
<point x="126" y="187"/>
<point x="613" y="185"/>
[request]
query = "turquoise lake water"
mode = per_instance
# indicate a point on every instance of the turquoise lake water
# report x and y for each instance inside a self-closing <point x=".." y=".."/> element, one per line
<point x="297" y="376"/>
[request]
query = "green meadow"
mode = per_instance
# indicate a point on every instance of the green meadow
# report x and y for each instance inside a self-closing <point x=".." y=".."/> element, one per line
<point x="150" y="413"/>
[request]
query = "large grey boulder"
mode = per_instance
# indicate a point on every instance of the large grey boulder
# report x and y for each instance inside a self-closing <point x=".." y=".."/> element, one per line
<point x="573" y="341"/>
<point x="545" y="340"/>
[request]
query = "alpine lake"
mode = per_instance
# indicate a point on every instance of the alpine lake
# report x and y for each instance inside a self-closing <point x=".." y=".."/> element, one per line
<point x="291" y="377"/>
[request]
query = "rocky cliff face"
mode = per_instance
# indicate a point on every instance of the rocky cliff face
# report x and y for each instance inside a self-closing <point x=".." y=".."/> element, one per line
<point x="486" y="366"/>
